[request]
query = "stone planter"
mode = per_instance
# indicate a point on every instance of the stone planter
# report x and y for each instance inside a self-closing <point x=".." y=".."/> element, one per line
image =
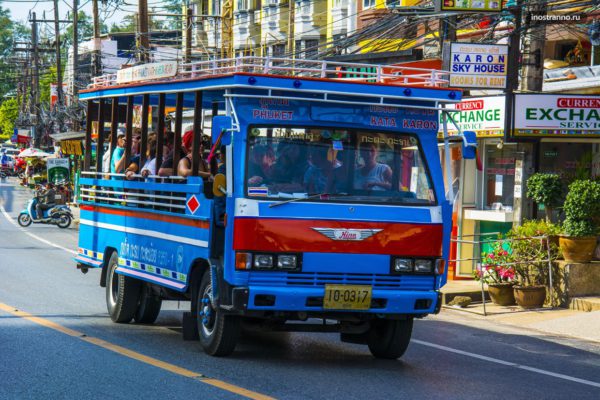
<point x="577" y="249"/>
<point x="530" y="296"/>
<point x="502" y="294"/>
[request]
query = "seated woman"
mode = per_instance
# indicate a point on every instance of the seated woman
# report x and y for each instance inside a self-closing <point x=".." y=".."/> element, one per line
<point x="372" y="175"/>
<point x="260" y="165"/>
<point x="184" y="168"/>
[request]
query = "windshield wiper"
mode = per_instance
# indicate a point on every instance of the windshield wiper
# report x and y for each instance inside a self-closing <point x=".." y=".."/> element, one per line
<point x="312" y="196"/>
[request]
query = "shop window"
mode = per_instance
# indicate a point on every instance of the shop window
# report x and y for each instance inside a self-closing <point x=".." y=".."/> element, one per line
<point x="499" y="181"/>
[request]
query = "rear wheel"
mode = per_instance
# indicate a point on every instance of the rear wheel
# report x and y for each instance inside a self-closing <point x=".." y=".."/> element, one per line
<point x="24" y="220"/>
<point x="64" y="221"/>
<point x="218" y="333"/>
<point x="148" y="307"/>
<point x="122" y="293"/>
<point x="389" y="338"/>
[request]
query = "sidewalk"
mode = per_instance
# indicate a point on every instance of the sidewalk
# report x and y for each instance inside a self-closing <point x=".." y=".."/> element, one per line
<point x="555" y="321"/>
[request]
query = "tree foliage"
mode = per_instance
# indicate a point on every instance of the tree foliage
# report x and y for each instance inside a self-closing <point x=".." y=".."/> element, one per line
<point x="9" y="112"/>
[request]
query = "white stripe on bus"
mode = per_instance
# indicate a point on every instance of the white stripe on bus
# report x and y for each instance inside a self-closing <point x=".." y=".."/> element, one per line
<point x="144" y="232"/>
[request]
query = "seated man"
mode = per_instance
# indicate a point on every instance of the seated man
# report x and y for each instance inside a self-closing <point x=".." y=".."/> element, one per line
<point x="47" y="200"/>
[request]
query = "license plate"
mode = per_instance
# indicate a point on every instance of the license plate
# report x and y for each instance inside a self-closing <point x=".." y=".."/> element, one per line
<point x="347" y="297"/>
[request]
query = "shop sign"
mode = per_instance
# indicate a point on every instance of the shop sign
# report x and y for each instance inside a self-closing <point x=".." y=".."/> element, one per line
<point x="146" y="72"/>
<point x="483" y="115"/>
<point x="539" y="114"/>
<point x="471" y="5"/>
<point x="58" y="169"/>
<point x="71" y="147"/>
<point x="475" y="65"/>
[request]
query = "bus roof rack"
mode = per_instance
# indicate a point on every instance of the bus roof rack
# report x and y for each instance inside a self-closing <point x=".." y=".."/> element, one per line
<point x="323" y="69"/>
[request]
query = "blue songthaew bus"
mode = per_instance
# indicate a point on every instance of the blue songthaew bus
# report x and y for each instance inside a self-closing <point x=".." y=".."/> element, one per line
<point x="322" y="205"/>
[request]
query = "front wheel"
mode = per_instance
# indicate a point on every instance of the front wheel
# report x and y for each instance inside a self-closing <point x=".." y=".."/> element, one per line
<point x="389" y="338"/>
<point x="24" y="220"/>
<point x="122" y="293"/>
<point x="218" y="333"/>
<point x="64" y="221"/>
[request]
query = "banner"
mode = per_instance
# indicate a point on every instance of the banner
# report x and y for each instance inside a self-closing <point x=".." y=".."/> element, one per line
<point x="471" y="5"/>
<point x="475" y="65"/>
<point x="147" y="72"/>
<point x="552" y="115"/>
<point x="483" y="115"/>
<point x="58" y="169"/>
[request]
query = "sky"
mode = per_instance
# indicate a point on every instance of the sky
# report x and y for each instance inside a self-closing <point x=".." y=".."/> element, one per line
<point x="20" y="9"/>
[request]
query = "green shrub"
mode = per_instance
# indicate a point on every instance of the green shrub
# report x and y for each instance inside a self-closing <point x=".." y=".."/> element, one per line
<point x="579" y="228"/>
<point x="545" y="189"/>
<point x="582" y="208"/>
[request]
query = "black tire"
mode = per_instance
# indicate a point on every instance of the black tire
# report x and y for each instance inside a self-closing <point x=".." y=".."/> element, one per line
<point x="24" y="220"/>
<point x="148" y="307"/>
<point x="389" y="338"/>
<point x="64" y="221"/>
<point x="122" y="293"/>
<point x="218" y="333"/>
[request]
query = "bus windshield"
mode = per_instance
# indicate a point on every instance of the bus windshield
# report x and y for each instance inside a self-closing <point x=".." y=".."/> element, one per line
<point x="349" y="165"/>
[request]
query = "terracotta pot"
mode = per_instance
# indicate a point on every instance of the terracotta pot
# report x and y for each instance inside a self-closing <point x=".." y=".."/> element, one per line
<point x="530" y="296"/>
<point x="502" y="294"/>
<point x="577" y="249"/>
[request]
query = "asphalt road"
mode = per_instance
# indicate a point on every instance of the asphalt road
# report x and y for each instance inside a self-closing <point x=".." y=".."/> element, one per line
<point x="57" y="341"/>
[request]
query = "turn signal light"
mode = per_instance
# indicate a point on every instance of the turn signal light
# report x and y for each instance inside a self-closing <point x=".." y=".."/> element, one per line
<point x="243" y="261"/>
<point x="440" y="266"/>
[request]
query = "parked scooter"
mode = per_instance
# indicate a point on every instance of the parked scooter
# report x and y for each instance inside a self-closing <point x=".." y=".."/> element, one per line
<point x="60" y="214"/>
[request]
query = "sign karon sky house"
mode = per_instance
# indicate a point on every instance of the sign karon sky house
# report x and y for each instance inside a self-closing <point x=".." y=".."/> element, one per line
<point x="541" y="114"/>
<point x="475" y="65"/>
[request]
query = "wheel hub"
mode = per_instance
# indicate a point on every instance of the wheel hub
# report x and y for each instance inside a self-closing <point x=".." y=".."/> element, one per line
<point x="207" y="313"/>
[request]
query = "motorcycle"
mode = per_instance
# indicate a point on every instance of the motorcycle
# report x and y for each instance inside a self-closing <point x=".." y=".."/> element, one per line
<point x="59" y="215"/>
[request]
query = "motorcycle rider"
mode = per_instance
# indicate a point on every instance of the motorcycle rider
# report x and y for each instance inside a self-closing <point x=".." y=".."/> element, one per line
<point x="47" y="200"/>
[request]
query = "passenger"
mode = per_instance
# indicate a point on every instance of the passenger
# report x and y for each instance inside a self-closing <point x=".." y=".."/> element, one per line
<point x="149" y="167"/>
<point x="107" y="155"/>
<point x="117" y="161"/>
<point x="185" y="164"/>
<point x="291" y="163"/>
<point x="167" y="168"/>
<point x="260" y="165"/>
<point x="372" y="175"/>
<point x="322" y="175"/>
<point x="135" y="156"/>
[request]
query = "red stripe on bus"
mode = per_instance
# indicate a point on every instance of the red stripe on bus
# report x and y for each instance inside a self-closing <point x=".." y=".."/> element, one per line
<point x="147" y="215"/>
<point x="293" y="235"/>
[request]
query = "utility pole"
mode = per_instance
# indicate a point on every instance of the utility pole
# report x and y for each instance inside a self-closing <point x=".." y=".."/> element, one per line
<point x="291" y="27"/>
<point x="35" y="104"/>
<point x="97" y="47"/>
<point x="143" y="39"/>
<point x="75" y="51"/>
<point x="533" y="43"/>
<point x="187" y="33"/>
<point x="59" y="88"/>
<point x="226" y="29"/>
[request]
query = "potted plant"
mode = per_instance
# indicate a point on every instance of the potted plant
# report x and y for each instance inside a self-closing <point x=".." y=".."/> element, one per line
<point x="498" y="276"/>
<point x="580" y="228"/>
<point x="545" y="189"/>
<point x="533" y="252"/>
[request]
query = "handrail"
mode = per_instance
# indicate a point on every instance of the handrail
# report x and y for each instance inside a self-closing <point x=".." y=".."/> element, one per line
<point x="334" y="70"/>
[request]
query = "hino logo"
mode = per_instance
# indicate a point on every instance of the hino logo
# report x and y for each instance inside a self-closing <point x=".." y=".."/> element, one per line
<point x="347" y="234"/>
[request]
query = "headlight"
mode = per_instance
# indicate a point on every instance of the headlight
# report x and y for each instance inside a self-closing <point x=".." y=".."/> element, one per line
<point x="424" y="266"/>
<point x="403" y="265"/>
<point x="286" y="261"/>
<point x="263" y="261"/>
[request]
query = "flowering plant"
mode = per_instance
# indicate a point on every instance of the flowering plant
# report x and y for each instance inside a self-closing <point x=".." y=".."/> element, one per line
<point x="496" y="265"/>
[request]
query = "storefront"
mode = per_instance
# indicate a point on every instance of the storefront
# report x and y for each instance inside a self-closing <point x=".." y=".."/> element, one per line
<point x="566" y="133"/>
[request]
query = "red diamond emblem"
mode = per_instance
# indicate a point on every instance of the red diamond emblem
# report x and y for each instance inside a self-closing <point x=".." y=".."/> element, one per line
<point x="192" y="204"/>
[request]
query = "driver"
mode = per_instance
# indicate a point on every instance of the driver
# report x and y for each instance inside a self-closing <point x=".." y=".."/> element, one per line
<point x="47" y="200"/>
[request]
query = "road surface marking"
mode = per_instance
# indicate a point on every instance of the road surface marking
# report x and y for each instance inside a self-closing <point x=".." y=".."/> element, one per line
<point x="9" y="219"/>
<point x="507" y="363"/>
<point x="136" y="356"/>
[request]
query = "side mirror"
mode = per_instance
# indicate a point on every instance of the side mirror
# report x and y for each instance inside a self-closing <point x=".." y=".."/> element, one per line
<point x="221" y="127"/>
<point x="219" y="185"/>
<point x="469" y="145"/>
